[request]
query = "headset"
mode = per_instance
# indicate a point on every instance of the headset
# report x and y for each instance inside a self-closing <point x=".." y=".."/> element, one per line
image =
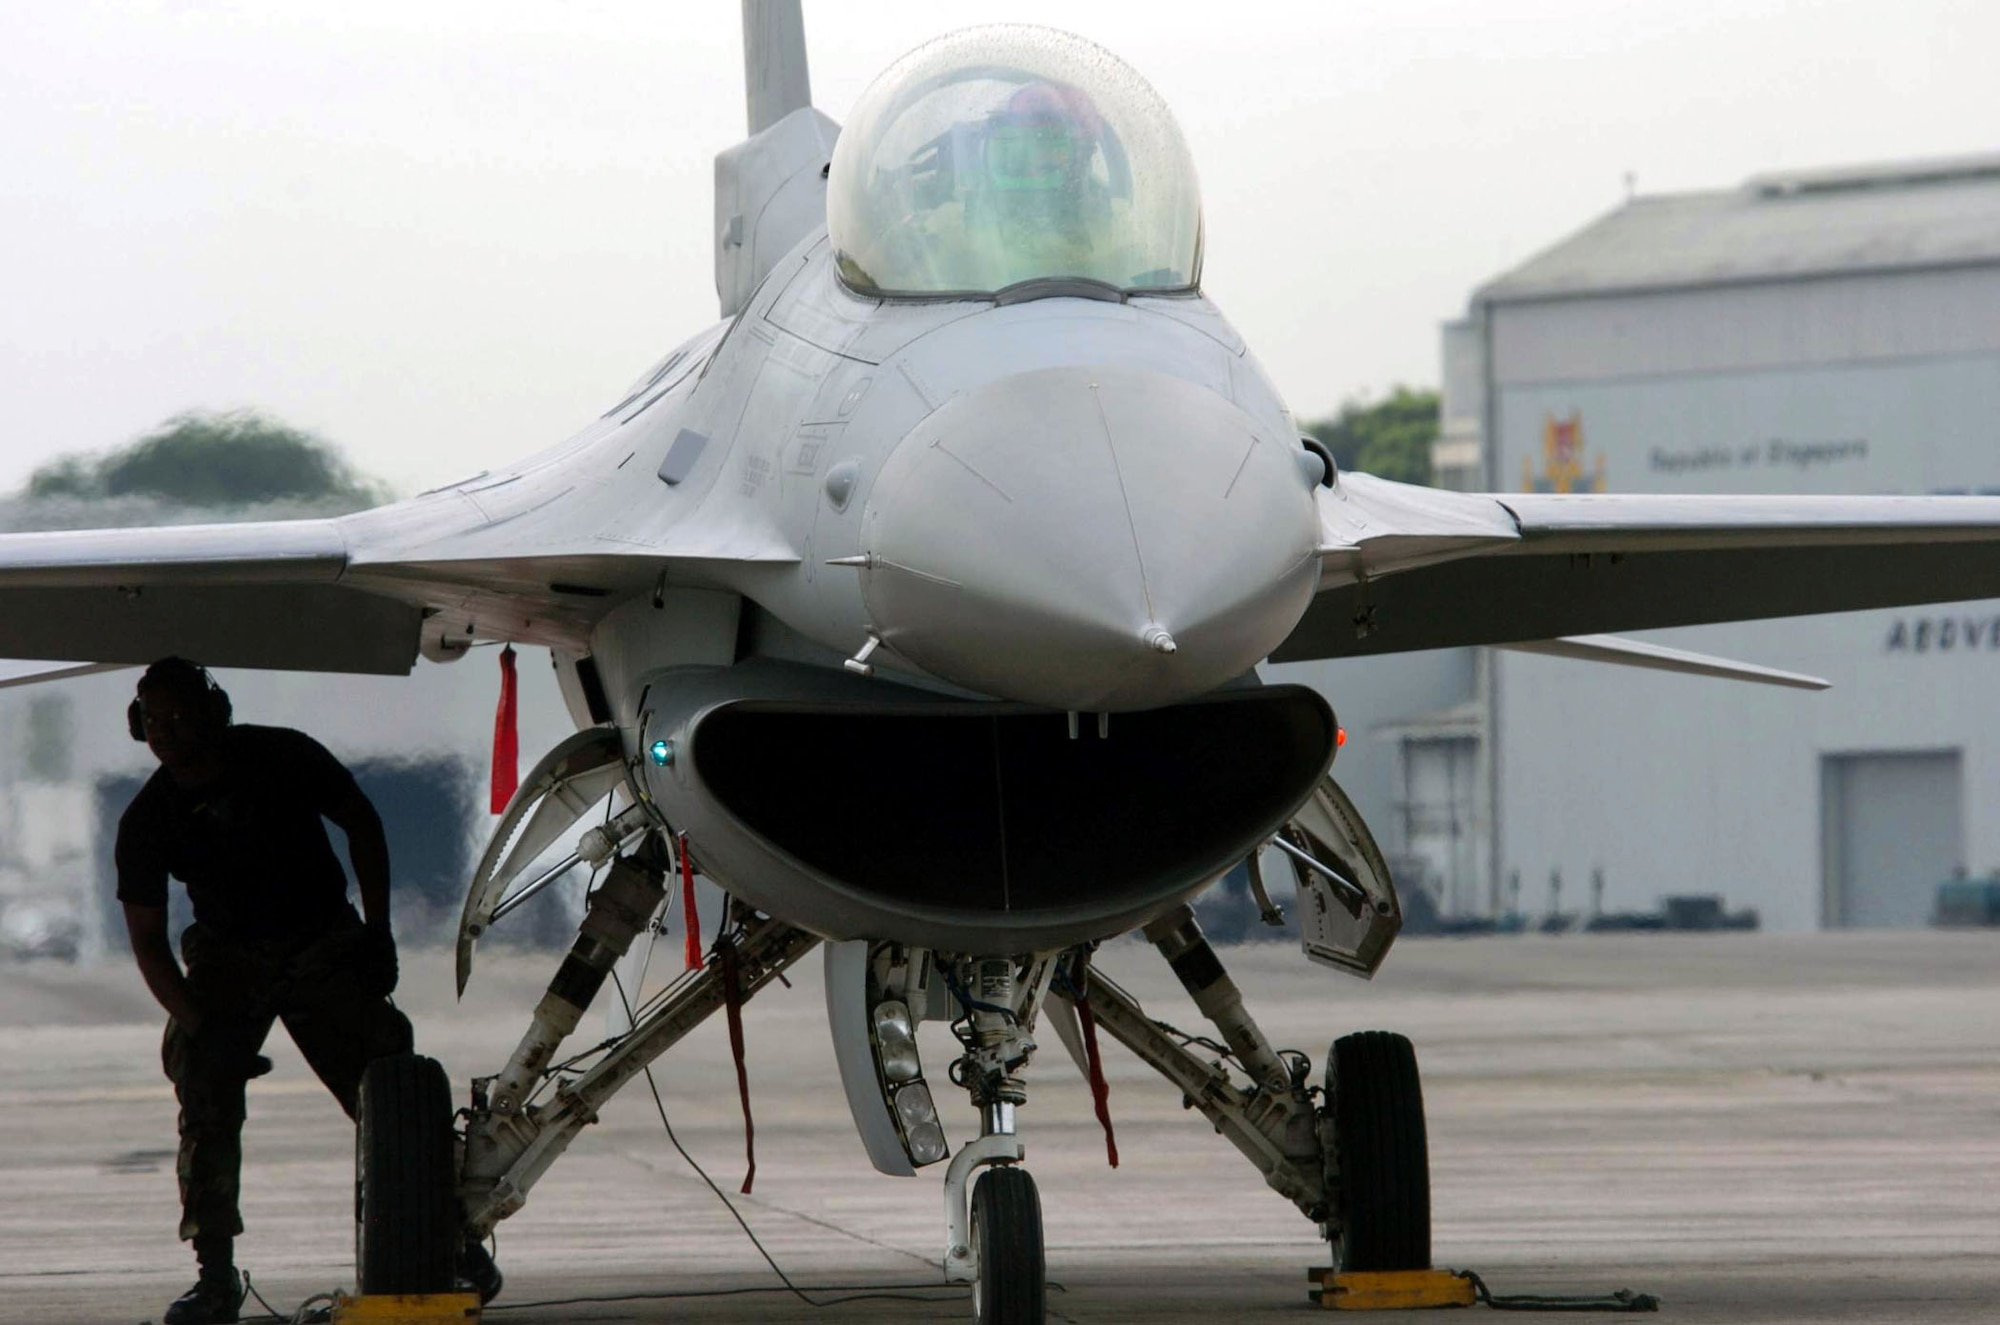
<point x="172" y="671"/>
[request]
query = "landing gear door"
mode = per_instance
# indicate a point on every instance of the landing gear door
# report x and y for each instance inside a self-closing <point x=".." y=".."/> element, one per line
<point x="585" y="768"/>
<point x="1349" y="921"/>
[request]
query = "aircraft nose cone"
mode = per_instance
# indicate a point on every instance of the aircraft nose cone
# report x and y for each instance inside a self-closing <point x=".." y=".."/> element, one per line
<point x="1092" y="539"/>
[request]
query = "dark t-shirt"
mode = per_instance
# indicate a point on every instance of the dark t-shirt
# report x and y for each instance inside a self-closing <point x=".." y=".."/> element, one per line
<point x="250" y="846"/>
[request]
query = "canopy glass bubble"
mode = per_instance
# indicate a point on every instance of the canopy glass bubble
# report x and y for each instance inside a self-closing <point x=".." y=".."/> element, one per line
<point x="1006" y="154"/>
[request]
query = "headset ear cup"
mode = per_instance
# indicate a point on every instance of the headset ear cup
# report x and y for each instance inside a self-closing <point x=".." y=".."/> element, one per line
<point x="134" y="723"/>
<point x="222" y="710"/>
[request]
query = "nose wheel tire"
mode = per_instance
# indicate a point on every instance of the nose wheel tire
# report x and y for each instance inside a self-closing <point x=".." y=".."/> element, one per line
<point x="405" y="1209"/>
<point x="1384" y="1156"/>
<point x="1007" y="1235"/>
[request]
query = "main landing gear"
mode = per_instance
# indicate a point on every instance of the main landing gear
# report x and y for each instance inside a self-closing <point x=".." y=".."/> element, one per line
<point x="1352" y="1157"/>
<point x="523" y="1118"/>
<point x="1381" y="1159"/>
<point x="405" y="1208"/>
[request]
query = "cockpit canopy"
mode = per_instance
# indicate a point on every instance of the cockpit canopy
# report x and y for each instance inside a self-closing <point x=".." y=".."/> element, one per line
<point x="1005" y="154"/>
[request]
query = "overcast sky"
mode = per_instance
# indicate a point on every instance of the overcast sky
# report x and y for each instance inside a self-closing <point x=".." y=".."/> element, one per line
<point x="445" y="233"/>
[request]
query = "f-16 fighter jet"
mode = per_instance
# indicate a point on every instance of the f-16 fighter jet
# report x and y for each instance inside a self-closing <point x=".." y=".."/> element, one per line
<point x="917" y="601"/>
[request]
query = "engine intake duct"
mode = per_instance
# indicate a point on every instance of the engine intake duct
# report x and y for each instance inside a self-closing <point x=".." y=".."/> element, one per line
<point x="989" y="827"/>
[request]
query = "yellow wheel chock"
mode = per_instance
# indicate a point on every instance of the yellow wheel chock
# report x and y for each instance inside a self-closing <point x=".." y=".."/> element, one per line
<point x="406" y="1309"/>
<point x="1412" y="1290"/>
<point x="1390" y="1290"/>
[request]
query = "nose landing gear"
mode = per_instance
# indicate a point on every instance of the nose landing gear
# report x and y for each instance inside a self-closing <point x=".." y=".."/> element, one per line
<point x="998" y="1245"/>
<point x="877" y="994"/>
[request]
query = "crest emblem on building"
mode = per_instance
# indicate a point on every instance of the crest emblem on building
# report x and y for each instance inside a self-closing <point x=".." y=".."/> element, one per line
<point x="1562" y="459"/>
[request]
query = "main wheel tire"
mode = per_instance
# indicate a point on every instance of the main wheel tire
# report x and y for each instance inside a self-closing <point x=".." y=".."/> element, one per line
<point x="1007" y="1235"/>
<point x="405" y="1209"/>
<point x="1384" y="1154"/>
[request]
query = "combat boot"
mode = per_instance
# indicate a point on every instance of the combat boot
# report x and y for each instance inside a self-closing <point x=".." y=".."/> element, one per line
<point x="215" y="1299"/>
<point x="477" y="1273"/>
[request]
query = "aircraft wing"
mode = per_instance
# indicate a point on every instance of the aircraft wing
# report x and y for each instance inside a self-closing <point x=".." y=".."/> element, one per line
<point x="241" y="595"/>
<point x="1407" y="568"/>
<point x="336" y="595"/>
<point x="17" y="672"/>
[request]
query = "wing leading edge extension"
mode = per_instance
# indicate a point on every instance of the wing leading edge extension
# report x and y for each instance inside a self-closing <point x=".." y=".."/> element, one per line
<point x="1406" y="568"/>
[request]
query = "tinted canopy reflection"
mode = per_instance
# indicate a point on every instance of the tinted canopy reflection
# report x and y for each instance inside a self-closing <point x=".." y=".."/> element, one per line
<point x="1006" y="154"/>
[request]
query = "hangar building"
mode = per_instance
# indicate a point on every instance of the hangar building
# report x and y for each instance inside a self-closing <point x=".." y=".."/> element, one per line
<point x="1834" y="331"/>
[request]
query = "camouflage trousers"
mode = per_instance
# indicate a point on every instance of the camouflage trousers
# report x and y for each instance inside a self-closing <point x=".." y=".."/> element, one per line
<point x="241" y="988"/>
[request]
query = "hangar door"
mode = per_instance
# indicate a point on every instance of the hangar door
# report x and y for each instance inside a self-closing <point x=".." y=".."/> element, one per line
<point x="1439" y="774"/>
<point x="1891" y="828"/>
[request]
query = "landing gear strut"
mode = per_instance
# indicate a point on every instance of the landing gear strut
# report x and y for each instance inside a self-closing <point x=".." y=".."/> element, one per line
<point x="1354" y="1160"/>
<point x="512" y="1139"/>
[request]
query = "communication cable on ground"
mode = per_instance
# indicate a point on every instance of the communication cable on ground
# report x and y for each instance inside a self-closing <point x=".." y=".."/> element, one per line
<point x="318" y="1307"/>
<point x="1622" y="1300"/>
<point x="866" y="1292"/>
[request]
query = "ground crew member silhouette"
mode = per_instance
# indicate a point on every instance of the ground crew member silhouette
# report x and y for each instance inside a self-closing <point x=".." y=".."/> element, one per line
<point x="234" y="813"/>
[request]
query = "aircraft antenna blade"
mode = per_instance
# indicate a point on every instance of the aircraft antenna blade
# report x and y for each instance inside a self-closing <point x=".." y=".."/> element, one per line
<point x="1633" y="653"/>
<point x="775" y="78"/>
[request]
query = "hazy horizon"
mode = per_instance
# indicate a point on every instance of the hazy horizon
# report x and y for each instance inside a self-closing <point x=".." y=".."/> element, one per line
<point x="443" y="236"/>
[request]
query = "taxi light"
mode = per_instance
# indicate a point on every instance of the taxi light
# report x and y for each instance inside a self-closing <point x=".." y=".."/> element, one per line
<point x="913" y="1104"/>
<point x="927" y="1143"/>
<point x="899" y="1068"/>
<point x="896" y="1043"/>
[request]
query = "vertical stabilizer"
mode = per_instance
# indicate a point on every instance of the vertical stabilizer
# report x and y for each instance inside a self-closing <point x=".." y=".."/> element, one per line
<point x="770" y="189"/>
<point x="775" y="80"/>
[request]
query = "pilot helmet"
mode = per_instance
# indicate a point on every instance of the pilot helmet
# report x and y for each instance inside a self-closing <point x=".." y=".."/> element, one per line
<point x="1041" y="140"/>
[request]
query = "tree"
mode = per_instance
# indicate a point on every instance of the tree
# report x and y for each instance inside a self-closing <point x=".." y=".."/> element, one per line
<point x="1390" y="439"/>
<point x="200" y="458"/>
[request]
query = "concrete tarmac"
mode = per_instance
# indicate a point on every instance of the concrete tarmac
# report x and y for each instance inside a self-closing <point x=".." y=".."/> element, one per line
<point x="1753" y="1127"/>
